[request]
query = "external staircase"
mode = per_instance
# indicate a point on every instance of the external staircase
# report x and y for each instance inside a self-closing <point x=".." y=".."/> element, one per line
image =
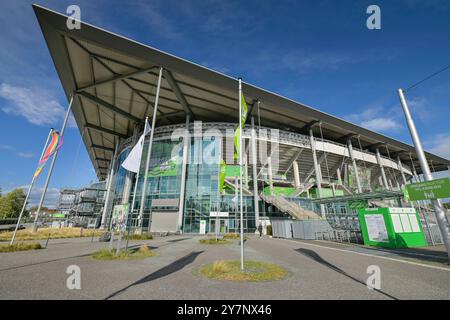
<point x="289" y="207"/>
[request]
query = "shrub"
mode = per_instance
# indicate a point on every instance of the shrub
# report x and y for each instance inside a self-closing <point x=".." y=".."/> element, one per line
<point x="269" y="230"/>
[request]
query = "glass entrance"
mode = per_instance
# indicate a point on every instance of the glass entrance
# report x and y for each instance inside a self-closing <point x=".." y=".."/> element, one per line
<point x="219" y="223"/>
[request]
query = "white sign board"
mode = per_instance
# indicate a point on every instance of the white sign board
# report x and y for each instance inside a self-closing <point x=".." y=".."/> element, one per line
<point x="120" y="214"/>
<point x="202" y="226"/>
<point x="218" y="214"/>
<point x="376" y="228"/>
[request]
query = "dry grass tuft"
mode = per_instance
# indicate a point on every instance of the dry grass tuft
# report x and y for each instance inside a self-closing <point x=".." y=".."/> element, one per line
<point x="106" y="254"/>
<point x="21" y="246"/>
<point x="213" y="241"/>
<point x="253" y="271"/>
<point x="143" y="236"/>
<point x="54" y="233"/>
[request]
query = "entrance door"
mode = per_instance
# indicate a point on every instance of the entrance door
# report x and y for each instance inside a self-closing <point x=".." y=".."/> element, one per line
<point x="220" y="224"/>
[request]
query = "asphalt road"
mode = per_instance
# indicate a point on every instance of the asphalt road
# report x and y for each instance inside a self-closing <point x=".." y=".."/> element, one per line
<point x="317" y="270"/>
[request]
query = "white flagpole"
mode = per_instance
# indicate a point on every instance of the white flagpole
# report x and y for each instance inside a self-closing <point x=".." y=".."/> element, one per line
<point x="49" y="175"/>
<point x="150" y="143"/>
<point x="240" y="173"/>
<point x="29" y="189"/>
<point x="137" y="178"/>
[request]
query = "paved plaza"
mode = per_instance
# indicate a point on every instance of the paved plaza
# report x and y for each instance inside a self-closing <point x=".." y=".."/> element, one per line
<point x="317" y="270"/>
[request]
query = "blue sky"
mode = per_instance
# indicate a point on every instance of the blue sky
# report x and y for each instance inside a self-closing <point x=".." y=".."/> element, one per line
<point x="316" y="52"/>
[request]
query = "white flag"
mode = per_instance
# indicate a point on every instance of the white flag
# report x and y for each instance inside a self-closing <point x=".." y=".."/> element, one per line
<point x="133" y="161"/>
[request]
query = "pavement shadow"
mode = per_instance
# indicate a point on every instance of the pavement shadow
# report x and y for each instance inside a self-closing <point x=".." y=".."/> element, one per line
<point x="176" y="240"/>
<point x="164" y="271"/>
<point x="316" y="257"/>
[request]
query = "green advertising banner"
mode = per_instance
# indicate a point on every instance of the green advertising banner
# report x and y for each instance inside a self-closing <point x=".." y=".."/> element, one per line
<point x="165" y="169"/>
<point x="434" y="189"/>
<point x="222" y="174"/>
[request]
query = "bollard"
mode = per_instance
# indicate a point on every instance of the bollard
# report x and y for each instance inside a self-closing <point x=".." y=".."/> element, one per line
<point x="46" y="243"/>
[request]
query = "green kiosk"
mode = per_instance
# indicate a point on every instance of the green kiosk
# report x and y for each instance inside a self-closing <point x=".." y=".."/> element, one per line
<point x="391" y="227"/>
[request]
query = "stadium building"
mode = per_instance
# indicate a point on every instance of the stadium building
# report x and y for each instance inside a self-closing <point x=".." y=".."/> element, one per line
<point x="298" y="162"/>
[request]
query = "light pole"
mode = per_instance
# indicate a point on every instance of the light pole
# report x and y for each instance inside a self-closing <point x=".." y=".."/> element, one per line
<point x="438" y="210"/>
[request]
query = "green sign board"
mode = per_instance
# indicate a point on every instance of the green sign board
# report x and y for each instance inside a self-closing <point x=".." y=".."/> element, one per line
<point x="59" y="215"/>
<point x="232" y="171"/>
<point x="434" y="189"/>
<point x="391" y="227"/>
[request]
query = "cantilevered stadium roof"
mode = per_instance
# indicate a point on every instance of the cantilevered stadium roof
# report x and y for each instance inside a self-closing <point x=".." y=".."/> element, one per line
<point x="115" y="80"/>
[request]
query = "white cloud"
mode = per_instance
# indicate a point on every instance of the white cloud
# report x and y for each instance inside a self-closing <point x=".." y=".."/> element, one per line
<point x="381" y="124"/>
<point x="373" y="118"/>
<point x="35" y="105"/>
<point x="26" y="154"/>
<point x="51" y="197"/>
<point x="152" y="15"/>
<point x="440" y="145"/>
<point x="5" y="147"/>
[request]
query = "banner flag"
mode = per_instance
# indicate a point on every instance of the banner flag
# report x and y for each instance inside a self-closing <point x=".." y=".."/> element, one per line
<point x="133" y="160"/>
<point x="54" y="145"/>
<point x="240" y="126"/>
<point x="223" y="169"/>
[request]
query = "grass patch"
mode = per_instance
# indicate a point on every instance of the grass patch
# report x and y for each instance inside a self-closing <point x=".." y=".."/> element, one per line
<point x="143" y="236"/>
<point x="253" y="271"/>
<point x="213" y="241"/>
<point x="54" y="233"/>
<point x="231" y="236"/>
<point x="107" y="254"/>
<point x="20" y="247"/>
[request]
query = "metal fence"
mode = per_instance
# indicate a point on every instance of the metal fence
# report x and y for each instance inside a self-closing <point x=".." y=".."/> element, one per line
<point x="299" y="229"/>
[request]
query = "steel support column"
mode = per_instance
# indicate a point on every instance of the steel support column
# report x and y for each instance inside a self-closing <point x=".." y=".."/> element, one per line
<point x="400" y="167"/>
<point x="296" y="174"/>
<point x="383" y="174"/>
<point x="355" y="167"/>
<point x="316" y="164"/>
<point x="255" y="173"/>
<point x="186" y="142"/>
<point x="317" y="170"/>
<point x="109" y="186"/>
<point x="269" y="171"/>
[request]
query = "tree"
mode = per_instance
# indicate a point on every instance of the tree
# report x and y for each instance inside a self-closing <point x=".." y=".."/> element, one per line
<point x="11" y="204"/>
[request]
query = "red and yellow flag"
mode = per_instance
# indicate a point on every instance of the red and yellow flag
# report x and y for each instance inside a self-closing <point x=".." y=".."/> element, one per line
<point x="53" y="146"/>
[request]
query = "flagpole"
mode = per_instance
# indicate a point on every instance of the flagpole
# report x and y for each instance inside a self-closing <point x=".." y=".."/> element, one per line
<point x="150" y="143"/>
<point x="29" y="189"/>
<point x="240" y="173"/>
<point x="137" y="178"/>
<point x="49" y="175"/>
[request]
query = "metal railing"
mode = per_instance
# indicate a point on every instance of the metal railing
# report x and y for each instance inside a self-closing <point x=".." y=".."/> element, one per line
<point x="348" y="236"/>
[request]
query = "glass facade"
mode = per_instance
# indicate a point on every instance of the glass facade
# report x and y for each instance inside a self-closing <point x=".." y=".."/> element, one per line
<point x="201" y="190"/>
<point x="204" y="207"/>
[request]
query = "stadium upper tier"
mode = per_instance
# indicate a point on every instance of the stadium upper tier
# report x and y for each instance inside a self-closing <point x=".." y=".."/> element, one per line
<point x="114" y="81"/>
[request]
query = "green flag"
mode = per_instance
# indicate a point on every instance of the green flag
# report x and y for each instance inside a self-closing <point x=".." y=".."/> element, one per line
<point x="240" y="126"/>
<point x="223" y="169"/>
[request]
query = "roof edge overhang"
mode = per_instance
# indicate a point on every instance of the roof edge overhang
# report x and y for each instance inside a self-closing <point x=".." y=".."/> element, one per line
<point x="53" y="26"/>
